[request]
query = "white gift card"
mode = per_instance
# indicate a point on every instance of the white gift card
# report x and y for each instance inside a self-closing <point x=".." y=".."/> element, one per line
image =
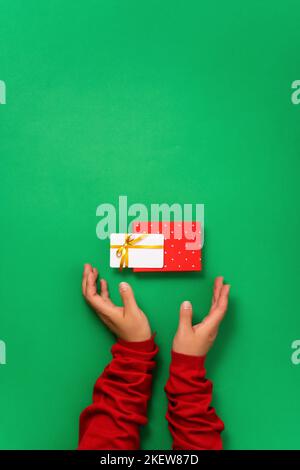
<point x="136" y="251"/>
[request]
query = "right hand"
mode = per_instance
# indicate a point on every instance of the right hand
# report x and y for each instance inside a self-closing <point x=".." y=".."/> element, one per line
<point x="198" y="339"/>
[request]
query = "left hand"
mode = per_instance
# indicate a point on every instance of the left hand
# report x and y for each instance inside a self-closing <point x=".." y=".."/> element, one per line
<point x="128" y="322"/>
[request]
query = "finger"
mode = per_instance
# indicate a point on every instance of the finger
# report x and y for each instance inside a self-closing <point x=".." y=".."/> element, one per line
<point x="217" y="313"/>
<point x="93" y="298"/>
<point x="127" y="295"/>
<point x="95" y="271"/>
<point x="185" y="315"/>
<point x="104" y="289"/>
<point x="91" y="287"/>
<point x="104" y="292"/>
<point x="217" y="289"/>
<point x="223" y="299"/>
<point x="86" y="270"/>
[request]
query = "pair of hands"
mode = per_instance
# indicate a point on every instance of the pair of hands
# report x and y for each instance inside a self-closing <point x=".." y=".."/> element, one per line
<point x="131" y="324"/>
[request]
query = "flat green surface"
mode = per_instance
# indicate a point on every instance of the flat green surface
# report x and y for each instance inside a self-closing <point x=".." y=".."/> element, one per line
<point x="162" y="101"/>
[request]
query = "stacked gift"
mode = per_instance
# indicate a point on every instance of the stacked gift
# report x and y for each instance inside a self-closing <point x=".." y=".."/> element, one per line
<point x="158" y="246"/>
<point x="182" y="247"/>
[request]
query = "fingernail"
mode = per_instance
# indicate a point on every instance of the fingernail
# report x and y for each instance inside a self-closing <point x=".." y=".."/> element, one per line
<point x="123" y="286"/>
<point x="186" y="304"/>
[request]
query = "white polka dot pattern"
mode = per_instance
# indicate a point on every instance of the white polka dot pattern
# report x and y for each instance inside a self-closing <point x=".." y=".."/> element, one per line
<point x="176" y="255"/>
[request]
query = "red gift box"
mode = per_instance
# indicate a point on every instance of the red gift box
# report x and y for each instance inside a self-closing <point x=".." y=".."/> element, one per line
<point x="182" y="246"/>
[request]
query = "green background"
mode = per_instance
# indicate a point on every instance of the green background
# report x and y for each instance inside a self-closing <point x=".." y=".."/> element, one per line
<point x="162" y="101"/>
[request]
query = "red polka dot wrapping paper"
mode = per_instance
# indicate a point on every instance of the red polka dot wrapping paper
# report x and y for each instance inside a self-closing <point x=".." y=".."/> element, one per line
<point x="182" y="245"/>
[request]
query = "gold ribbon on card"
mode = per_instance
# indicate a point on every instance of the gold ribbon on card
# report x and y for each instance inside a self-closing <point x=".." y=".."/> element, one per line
<point x="122" y="250"/>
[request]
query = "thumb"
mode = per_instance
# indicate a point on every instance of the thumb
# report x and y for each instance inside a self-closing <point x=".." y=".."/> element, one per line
<point x="127" y="295"/>
<point x="185" y="315"/>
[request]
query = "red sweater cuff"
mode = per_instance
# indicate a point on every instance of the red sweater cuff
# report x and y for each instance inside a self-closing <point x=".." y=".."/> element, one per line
<point x="193" y="362"/>
<point x="142" y="346"/>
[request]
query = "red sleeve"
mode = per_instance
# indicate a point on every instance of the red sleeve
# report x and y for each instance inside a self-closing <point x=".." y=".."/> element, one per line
<point x="120" y="399"/>
<point x="193" y="423"/>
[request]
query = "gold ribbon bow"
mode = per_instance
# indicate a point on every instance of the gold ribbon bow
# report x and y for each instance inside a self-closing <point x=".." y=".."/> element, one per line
<point x="122" y="250"/>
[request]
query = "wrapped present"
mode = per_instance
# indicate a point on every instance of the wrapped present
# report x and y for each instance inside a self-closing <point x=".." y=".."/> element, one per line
<point x="136" y="251"/>
<point x="182" y="246"/>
